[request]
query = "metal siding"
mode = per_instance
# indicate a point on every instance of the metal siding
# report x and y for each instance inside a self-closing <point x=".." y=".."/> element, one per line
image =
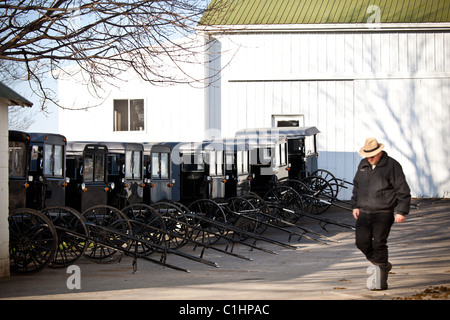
<point x="326" y="10"/>
<point x="349" y="7"/>
<point x="307" y="14"/>
<point x="409" y="117"/>
<point x="333" y="52"/>
<point x="245" y="13"/>
<point x="298" y="16"/>
<point x="273" y="12"/>
<point x="250" y="12"/>
<point x="287" y="14"/>
<point x="390" y="17"/>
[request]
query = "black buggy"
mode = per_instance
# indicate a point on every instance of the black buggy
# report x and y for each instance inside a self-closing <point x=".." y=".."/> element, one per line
<point x="269" y="160"/>
<point x="158" y="173"/>
<point x="59" y="235"/>
<point x="125" y="171"/>
<point x="140" y="199"/>
<point x="87" y="170"/>
<point x="317" y="188"/>
<point x="301" y="146"/>
<point x="237" y="168"/>
<point x="215" y="182"/>
<point x="48" y="169"/>
<point x="18" y="159"/>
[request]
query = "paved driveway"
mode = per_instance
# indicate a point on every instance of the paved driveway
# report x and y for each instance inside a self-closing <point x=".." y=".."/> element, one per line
<point x="419" y="252"/>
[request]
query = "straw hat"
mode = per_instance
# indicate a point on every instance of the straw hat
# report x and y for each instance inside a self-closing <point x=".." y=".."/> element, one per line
<point x="371" y="148"/>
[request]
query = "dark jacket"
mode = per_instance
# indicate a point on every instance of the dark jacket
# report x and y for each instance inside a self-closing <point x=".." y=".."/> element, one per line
<point x="381" y="189"/>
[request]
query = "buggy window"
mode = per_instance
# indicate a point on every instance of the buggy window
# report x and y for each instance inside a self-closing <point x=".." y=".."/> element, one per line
<point x="280" y="154"/>
<point x="212" y="163"/>
<point x="165" y="161"/>
<point x="310" y="145"/>
<point x="94" y="168"/>
<point x="99" y="168"/>
<point x="245" y="164"/>
<point x="242" y="162"/>
<point x="219" y="163"/>
<point x="215" y="163"/>
<point x="261" y="156"/>
<point x="53" y="160"/>
<point x="192" y="162"/>
<point x="229" y="161"/>
<point x="133" y="164"/>
<point x="160" y="166"/>
<point x="17" y="159"/>
<point x="113" y="164"/>
<point x="88" y="168"/>
<point x="283" y="154"/>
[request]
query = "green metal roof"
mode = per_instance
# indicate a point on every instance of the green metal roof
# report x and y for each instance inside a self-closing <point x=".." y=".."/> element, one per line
<point x="254" y="12"/>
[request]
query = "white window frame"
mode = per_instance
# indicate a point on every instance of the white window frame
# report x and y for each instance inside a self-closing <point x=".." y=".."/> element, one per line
<point x="288" y="117"/>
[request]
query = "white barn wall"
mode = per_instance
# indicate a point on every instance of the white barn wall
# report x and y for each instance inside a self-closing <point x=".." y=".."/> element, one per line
<point x="173" y="112"/>
<point x="391" y="85"/>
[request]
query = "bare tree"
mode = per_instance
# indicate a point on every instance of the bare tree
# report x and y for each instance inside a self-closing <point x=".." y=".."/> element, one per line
<point x="103" y="38"/>
<point x="19" y="119"/>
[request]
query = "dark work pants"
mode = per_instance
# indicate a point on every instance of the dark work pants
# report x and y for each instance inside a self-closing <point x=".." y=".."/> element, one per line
<point x="372" y="231"/>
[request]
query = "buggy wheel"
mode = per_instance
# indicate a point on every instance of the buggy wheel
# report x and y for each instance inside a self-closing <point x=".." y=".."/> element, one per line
<point x="264" y="211"/>
<point x="256" y="201"/>
<point x="148" y="225"/>
<point x="299" y="187"/>
<point x="72" y="235"/>
<point x="282" y="197"/>
<point x="244" y="215"/>
<point x="330" y="178"/>
<point x="107" y="227"/>
<point x="205" y="231"/>
<point x="320" y="194"/>
<point x="32" y="241"/>
<point x="176" y="222"/>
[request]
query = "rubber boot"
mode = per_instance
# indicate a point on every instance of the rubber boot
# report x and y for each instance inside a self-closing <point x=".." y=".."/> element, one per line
<point x="378" y="276"/>
<point x="384" y="273"/>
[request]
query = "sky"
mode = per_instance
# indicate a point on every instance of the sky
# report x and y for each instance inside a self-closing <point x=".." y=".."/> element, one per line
<point x="43" y="122"/>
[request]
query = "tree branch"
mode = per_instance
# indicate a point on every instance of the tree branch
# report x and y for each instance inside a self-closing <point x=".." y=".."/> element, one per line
<point x="101" y="37"/>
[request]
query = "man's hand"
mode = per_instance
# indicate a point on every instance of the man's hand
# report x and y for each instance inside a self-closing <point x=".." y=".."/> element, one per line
<point x="356" y="213"/>
<point x="399" y="218"/>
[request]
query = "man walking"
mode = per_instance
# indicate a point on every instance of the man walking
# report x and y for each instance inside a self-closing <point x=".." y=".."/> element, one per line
<point x="381" y="196"/>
